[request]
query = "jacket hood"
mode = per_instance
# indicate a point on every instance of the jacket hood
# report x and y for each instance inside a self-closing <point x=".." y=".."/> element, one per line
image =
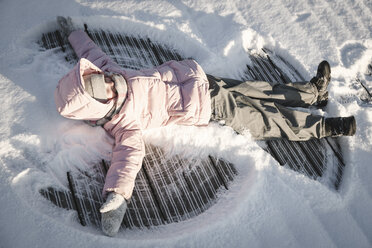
<point x="73" y="101"/>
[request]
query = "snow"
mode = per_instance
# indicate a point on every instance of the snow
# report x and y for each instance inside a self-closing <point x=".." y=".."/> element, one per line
<point x="267" y="205"/>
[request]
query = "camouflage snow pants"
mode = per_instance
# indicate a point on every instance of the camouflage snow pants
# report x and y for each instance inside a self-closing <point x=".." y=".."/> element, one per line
<point x="267" y="110"/>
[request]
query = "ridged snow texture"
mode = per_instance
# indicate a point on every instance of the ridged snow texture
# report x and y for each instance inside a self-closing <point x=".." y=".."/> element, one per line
<point x="166" y="190"/>
<point x="175" y="189"/>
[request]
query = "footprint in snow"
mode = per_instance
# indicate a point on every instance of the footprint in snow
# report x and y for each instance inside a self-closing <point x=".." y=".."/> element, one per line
<point x="302" y="16"/>
<point x="351" y="53"/>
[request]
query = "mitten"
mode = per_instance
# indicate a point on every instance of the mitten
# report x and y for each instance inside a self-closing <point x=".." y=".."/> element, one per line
<point x="66" y="25"/>
<point x="112" y="213"/>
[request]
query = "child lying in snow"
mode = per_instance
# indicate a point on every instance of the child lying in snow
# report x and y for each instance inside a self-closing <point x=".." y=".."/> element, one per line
<point x="125" y="102"/>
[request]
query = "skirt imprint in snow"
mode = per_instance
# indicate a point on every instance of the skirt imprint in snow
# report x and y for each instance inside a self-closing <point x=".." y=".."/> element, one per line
<point x="167" y="189"/>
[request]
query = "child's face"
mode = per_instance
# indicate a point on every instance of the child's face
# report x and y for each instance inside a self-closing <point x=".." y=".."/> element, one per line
<point x="110" y="88"/>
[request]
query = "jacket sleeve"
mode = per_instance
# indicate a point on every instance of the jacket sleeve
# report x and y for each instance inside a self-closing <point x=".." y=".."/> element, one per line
<point x="181" y="71"/>
<point x="127" y="157"/>
<point x="84" y="47"/>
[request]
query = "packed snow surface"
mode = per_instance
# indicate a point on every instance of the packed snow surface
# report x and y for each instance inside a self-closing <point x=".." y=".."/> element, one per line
<point x="267" y="205"/>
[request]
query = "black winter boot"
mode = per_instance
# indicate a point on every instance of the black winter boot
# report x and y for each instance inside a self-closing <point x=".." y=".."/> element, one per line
<point x="321" y="81"/>
<point x="340" y="126"/>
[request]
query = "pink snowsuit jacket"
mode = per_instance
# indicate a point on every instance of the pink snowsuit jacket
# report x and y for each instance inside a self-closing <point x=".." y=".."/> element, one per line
<point x="175" y="92"/>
